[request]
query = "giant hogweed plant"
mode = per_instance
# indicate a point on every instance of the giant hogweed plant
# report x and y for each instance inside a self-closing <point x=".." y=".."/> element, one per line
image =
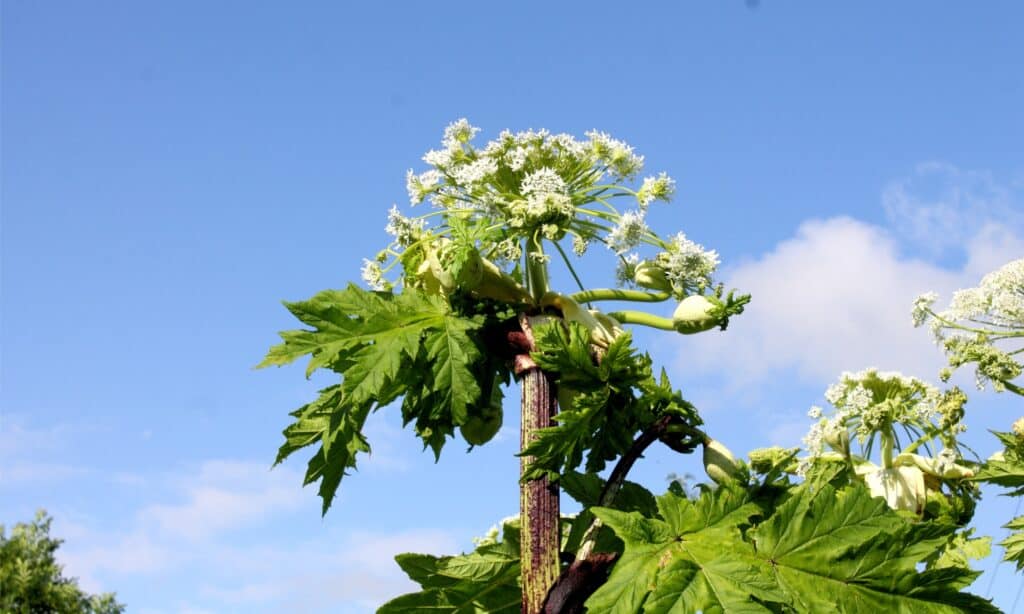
<point x="461" y="302"/>
<point x="984" y="327"/>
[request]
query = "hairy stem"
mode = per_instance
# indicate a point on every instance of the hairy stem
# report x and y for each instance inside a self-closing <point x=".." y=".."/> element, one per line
<point x="538" y="499"/>
<point x="617" y="477"/>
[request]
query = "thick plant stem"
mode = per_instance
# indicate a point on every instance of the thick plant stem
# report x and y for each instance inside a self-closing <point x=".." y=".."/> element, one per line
<point x="538" y="499"/>
<point x="887" y="446"/>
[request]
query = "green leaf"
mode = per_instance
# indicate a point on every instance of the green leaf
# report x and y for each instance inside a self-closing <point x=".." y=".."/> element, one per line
<point x="1008" y="472"/>
<point x="344" y="320"/>
<point x="586" y="488"/>
<point x="376" y="365"/>
<point x="830" y="548"/>
<point x="485" y="580"/>
<point x="336" y="423"/>
<point x="1014" y="544"/>
<point x="694" y="560"/>
<point x="384" y="346"/>
<point x="821" y="550"/>
<point x="454" y="354"/>
<point x="960" y="550"/>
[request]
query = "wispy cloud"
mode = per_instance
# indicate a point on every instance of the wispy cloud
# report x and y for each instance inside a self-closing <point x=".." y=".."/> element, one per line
<point x="940" y="206"/>
<point x="837" y="295"/>
<point x="199" y="537"/>
<point x="224" y="495"/>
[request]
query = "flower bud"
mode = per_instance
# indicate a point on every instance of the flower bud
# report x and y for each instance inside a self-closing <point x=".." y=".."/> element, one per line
<point x="695" y="314"/>
<point x="719" y="463"/>
<point x="651" y="276"/>
<point x="902" y="487"/>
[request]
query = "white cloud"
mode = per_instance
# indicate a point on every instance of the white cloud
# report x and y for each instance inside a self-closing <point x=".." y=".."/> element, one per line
<point x="21" y="472"/>
<point x="837" y="295"/>
<point x="195" y="540"/>
<point x="355" y="568"/>
<point x="940" y="206"/>
<point x="225" y="495"/>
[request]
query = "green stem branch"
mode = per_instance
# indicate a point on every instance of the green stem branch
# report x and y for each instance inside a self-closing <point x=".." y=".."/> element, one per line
<point x="644" y="319"/>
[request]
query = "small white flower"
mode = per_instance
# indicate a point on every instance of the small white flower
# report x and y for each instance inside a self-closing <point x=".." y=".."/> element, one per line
<point x="626" y="269"/>
<point x="687" y="265"/>
<point x="579" y="245"/>
<point x="814" y="412"/>
<point x="438" y="158"/>
<point x="468" y="175"/>
<point x="516" y="158"/>
<point x="510" y="250"/>
<point x="405" y="230"/>
<point x="922" y="304"/>
<point x="541" y="181"/>
<point x="618" y="157"/>
<point x="458" y="133"/>
<point x="661" y="188"/>
<point x="373" y="276"/>
<point x="628" y="233"/>
<point x="420" y="186"/>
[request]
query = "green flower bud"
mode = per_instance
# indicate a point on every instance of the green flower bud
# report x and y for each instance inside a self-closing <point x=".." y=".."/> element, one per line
<point x="478" y="430"/>
<point x="651" y="276"/>
<point x="902" y="488"/>
<point x="719" y="463"/>
<point x="695" y="314"/>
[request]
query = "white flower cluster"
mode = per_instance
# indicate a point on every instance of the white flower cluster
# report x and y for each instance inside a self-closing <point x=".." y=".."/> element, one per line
<point x="628" y="233"/>
<point x="687" y="265"/>
<point x="998" y="300"/>
<point x="922" y="304"/>
<point x="405" y="230"/>
<point x="617" y="158"/>
<point x="872" y="401"/>
<point x="494" y="533"/>
<point x="626" y="270"/>
<point x="543" y="162"/>
<point x="977" y="325"/>
<point x="422" y="185"/>
<point x="542" y="181"/>
<point x="661" y="188"/>
<point x="373" y="275"/>
<point x="529" y="183"/>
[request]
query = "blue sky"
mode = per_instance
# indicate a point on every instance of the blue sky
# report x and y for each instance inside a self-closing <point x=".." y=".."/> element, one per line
<point x="171" y="171"/>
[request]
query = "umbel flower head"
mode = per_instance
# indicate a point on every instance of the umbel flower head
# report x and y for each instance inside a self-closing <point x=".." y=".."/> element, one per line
<point x="535" y="186"/>
<point x="895" y="415"/>
<point x="983" y="326"/>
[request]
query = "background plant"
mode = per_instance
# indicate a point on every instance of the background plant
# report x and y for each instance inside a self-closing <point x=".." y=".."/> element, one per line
<point x="32" y="581"/>
<point x="984" y="326"/>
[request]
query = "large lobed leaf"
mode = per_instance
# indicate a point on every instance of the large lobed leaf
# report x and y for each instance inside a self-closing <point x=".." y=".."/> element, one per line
<point x="693" y="559"/>
<point x="843" y="547"/>
<point x="483" y="581"/>
<point x="822" y="550"/>
<point x="384" y="346"/>
<point x="1014" y="543"/>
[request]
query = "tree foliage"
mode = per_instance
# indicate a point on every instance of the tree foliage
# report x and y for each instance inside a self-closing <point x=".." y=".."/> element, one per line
<point x="32" y="581"/>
